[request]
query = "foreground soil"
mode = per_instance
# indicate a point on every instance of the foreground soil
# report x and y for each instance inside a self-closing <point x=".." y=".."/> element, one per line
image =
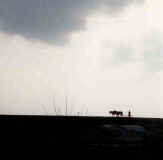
<point x="132" y="138"/>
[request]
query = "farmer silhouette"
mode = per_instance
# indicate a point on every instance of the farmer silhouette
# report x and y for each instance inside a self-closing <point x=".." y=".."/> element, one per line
<point x="129" y="113"/>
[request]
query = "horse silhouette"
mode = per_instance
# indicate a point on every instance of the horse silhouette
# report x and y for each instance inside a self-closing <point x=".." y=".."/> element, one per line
<point x="116" y="113"/>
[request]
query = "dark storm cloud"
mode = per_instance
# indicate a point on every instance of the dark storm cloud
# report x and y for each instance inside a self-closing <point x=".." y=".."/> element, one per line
<point x="52" y="20"/>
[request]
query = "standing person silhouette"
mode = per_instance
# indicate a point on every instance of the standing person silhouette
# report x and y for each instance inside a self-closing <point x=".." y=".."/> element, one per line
<point x="129" y="113"/>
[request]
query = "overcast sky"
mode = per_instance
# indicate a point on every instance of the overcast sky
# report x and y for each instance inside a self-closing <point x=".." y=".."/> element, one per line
<point x="96" y="55"/>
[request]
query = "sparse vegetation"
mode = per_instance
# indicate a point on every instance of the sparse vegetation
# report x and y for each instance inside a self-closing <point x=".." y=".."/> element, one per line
<point x="58" y="111"/>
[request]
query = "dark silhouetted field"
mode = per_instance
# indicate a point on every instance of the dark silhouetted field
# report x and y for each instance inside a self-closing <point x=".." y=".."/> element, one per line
<point x="93" y="136"/>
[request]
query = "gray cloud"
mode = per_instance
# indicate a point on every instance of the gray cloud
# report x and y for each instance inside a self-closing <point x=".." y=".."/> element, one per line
<point x="152" y="55"/>
<point x="123" y="54"/>
<point x="52" y="20"/>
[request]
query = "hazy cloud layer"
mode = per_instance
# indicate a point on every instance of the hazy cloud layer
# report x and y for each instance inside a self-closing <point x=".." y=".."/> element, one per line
<point x="121" y="69"/>
<point x="153" y="57"/>
<point x="52" y="20"/>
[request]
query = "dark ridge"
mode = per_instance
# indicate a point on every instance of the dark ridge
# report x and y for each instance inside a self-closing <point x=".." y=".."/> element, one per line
<point x="82" y="135"/>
